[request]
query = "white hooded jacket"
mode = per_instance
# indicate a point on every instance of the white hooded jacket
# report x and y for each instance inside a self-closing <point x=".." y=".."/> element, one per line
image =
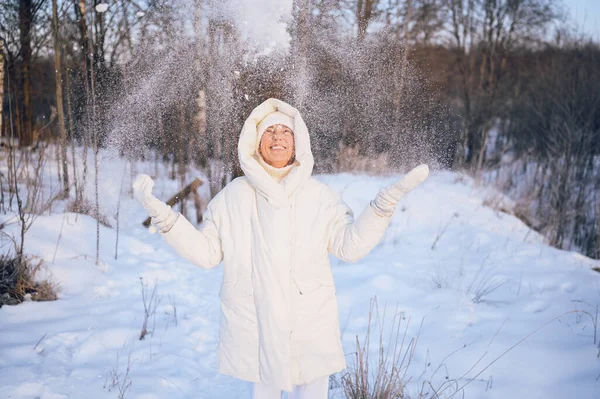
<point x="279" y="315"/>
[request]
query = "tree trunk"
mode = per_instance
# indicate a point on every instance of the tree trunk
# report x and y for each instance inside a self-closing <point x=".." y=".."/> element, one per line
<point x="80" y="11"/>
<point x="72" y="137"/>
<point x="597" y="198"/>
<point x="25" y="22"/>
<point x="300" y="51"/>
<point x="364" y="12"/>
<point x="2" y="89"/>
<point x="199" y="150"/>
<point x="59" y="101"/>
<point x="580" y="233"/>
<point x="406" y="46"/>
<point x="561" y="198"/>
<point x="84" y="44"/>
<point x="182" y="154"/>
<point x="202" y="154"/>
<point x="98" y="42"/>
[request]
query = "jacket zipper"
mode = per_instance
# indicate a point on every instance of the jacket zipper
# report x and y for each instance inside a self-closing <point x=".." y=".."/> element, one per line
<point x="293" y="285"/>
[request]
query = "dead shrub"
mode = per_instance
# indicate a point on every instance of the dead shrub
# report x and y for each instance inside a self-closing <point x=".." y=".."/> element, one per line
<point x="119" y="379"/>
<point x="386" y="376"/>
<point x="151" y="300"/>
<point x="520" y="208"/>
<point x="45" y="291"/>
<point x="85" y="207"/>
<point x="18" y="281"/>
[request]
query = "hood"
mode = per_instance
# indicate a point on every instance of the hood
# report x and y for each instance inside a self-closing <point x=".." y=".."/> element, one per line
<point x="276" y="194"/>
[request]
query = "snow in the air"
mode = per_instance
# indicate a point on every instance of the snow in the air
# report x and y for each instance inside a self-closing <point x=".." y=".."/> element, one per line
<point x="477" y="279"/>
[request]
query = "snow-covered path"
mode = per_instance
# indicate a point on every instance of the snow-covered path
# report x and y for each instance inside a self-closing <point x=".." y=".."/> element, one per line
<point x="487" y="284"/>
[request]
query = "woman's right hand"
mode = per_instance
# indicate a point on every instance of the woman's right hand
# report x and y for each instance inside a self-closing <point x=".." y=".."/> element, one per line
<point x="162" y="215"/>
<point x="142" y="188"/>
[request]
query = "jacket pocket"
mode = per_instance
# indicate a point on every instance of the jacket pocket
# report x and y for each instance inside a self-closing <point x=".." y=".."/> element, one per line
<point x="308" y="284"/>
<point x="315" y="303"/>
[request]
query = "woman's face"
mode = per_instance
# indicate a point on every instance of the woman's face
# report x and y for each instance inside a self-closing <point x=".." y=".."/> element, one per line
<point x="277" y="146"/>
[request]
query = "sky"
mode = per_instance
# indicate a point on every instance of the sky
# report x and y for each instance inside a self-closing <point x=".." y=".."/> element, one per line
<point x="586" y="15"/>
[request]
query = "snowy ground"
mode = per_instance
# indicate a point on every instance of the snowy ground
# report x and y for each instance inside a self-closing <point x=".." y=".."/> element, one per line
<point x="488" y="283"/>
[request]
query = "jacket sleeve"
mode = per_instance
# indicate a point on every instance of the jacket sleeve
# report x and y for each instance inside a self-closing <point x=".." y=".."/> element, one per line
<point x="352" y="239"/>
<point x="200" y="246"/>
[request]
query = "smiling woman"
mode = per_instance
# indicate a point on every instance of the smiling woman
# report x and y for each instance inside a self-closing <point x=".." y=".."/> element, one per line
<point x="274" y="229"/>
<point x="276" y="140"/>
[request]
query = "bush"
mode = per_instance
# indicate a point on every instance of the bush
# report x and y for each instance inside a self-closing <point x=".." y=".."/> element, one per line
<point x="386" y="377"/>
<point x="85" y="207"/>
<point x="17" y="281"/>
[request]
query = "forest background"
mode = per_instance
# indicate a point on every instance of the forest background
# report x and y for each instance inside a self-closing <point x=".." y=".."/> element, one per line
<point x="504" y="90"/>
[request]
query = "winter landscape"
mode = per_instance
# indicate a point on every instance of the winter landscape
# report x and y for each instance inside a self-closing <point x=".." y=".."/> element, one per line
<point x="486" y="282"/>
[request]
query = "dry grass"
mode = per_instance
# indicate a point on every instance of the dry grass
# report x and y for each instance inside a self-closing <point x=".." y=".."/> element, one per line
<point x="520" y="208"/>
<point x="121" y="380"/>
<point x="386" y="376"/>
<point x="85" y="207"/>
<point x="18" y="281"/>
<point x="151" y="300"/>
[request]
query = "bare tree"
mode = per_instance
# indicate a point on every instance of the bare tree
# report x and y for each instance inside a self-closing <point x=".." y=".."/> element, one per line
<point x="428" y="19"/>
<point x="554" y="124"/>
<point x="1" y="88"/>
<point x="30" y="171"/>
<point x="223" y="47"/>
<point x="26" y="12"/>
<point x="59" y="101"/>
<point x="18" y="28"/>
<point x="366" y="10"/>
<point x="85" y="71"/>
<point x="484" y="33"/>
<point x="78" y="189"/>
<point x="84" y="42"/>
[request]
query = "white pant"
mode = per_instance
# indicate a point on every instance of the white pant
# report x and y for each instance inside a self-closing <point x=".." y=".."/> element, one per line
<point x="315" y="390"/>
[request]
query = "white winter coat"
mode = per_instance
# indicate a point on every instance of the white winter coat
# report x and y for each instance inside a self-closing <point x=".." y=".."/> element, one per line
<point x="279" y="315"/>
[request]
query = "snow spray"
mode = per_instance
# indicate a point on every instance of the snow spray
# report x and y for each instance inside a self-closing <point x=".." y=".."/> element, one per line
<point x="368" y="108"/>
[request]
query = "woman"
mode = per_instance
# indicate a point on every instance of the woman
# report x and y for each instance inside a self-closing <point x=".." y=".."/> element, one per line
<point x="274" y="229"/>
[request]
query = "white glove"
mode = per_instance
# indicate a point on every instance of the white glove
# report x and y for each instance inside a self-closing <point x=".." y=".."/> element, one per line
<point x="385" y="202"/>
<point x="162" y="215"/>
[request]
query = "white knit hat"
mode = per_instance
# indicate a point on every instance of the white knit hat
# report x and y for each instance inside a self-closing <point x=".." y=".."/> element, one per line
<point x="274" y="118"/>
